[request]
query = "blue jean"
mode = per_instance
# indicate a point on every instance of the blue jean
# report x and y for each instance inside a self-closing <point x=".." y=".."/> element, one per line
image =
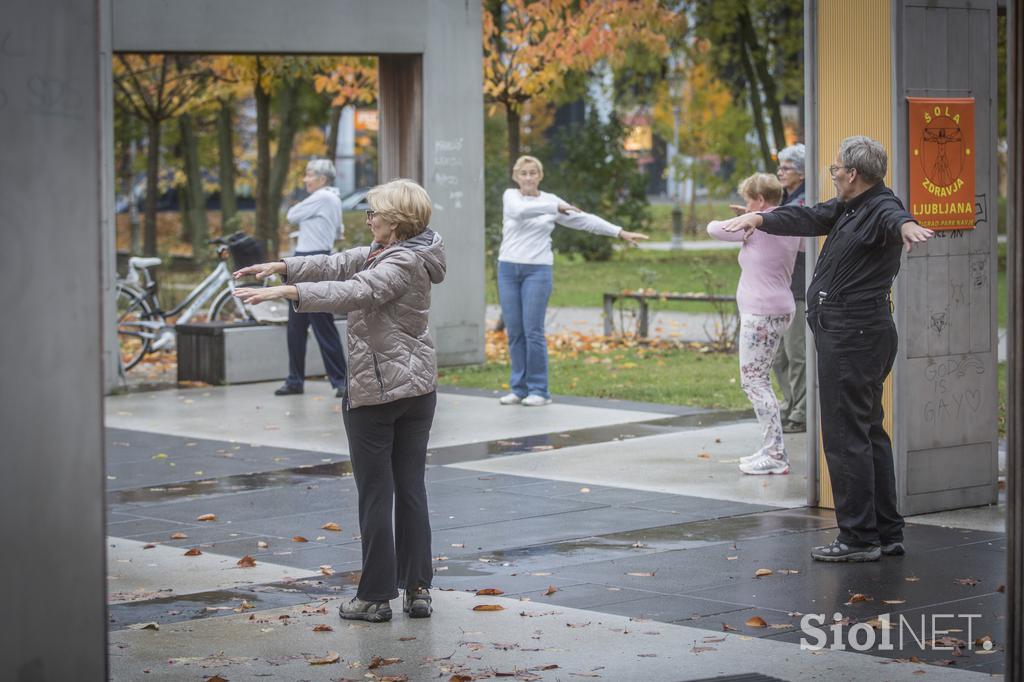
<point x="524" y="291"/>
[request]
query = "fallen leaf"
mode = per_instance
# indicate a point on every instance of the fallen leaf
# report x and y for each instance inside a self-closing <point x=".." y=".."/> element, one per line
<point x="392" y="678"/>
<point x="458" y="545"/>
<point x="550" y="591"/>
<point x="894" y="601"/>
<point x="912" y="579"/>
<point x="323" y="627"/>
<point x="262" y="544"/>
<point x="489" y="592"/>
<point x="1001" y="588"/>
<point x="332" y="526"/>
<point x="756" y="622"/>
<point x="731" y="558"/>
<point x="144" y="626"/>
<point x="245" y="606"/>
<point x="160" y="455"/>
<point x="378" y="662"/>
<point x="460" y="678"/>
<point x="327" y="570"/>
<point x="584" y="490"/>
<point x="488" y="607"/>
<point x="642" y="574"/>
<point x="728" y="628"/>
<point x="331" y="657"/>
<point x="704" y="455"/>
<point x="406" y="639"/>
<point x="299" y="538"/>
<point x="858" y="597"/>
<point x="762" y="572"/>
<point x="216" y="678"/>
<point x="207" y="517"/>
<point x="246" y="562"/>
<point x="970" y="582"/>
<point x="149" y="546"/>
<point x="193" y="552"/>
<point x="702" y="649"/>
<point x="178" y="536"/>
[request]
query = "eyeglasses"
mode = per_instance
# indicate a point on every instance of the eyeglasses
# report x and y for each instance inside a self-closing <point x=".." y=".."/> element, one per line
<point x="370" y="213"/>
<point x="787" y="169"/>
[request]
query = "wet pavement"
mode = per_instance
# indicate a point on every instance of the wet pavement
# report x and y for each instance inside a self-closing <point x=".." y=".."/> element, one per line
<point x="623" y="542"/>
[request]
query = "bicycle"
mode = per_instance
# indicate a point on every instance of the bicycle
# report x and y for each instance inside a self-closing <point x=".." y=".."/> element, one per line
<point x="142" y="325"/>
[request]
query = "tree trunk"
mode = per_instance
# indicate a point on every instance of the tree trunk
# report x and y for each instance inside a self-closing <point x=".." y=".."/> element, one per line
<point x="264" y="226"/>
<point x="152" y="188"/>
<point x="133" y="208"/>
<point x="184" y="202"/>
<point x="332" y="135"/>
<point x="199" y="232"/>
<point x="124" y="168"/>
<point x="771" y="98"/>
<point x="755" y="105"/>
<point x="512" y="118"/>
<point x="226" y="153"/>
<point x="282" y="158"/>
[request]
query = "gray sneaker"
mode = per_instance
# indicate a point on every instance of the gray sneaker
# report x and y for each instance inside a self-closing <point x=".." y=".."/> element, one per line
<point x="417" y="603"/>
<point x="370" y="611"/>
<point x="894" y="549"/>
<point x="840" y="551"/>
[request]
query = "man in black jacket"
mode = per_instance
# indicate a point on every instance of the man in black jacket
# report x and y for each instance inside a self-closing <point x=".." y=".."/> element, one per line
<point x="850" y="314"/>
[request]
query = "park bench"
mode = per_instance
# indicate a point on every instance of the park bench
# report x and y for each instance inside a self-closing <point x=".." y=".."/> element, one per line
<point x="644" y="296"/>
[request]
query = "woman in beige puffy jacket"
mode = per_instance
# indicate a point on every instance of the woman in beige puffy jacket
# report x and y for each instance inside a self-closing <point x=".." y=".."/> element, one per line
<point x="390" y="399"/>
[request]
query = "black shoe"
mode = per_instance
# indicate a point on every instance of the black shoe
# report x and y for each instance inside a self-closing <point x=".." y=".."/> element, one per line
<point x="794" y="427"/>
<point x="289" y="390"/>
<point x="894" y="549"/>
<point x="417" y="603"/>
<point x="840" y="551"/>
<point x="370" y="611"/>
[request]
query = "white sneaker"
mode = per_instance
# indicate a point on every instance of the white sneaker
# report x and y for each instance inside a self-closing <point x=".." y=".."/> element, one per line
<point x="535" y="401"/>
<point x="750" y="458"/>
<point x="510" y="399"/>
<point x="765" y="464"/>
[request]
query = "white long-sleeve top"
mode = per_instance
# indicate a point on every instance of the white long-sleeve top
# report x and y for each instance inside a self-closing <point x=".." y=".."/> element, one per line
<point x="318" y="217"/>
<point x="528" y="223"/>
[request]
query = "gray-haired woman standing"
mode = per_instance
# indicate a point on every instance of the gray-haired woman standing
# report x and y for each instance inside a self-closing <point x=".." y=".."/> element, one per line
<point x="319" y="219"/>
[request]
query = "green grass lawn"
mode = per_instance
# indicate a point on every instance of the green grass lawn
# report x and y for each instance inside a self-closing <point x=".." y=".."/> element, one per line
<point x="705" y="211"/>
<point x="679" y="376"/>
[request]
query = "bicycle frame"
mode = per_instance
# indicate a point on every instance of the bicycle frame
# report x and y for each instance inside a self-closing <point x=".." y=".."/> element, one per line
<point x="187" y="309"/>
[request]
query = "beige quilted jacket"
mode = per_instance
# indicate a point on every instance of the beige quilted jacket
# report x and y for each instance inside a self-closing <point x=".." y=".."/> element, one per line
<point x="387" y="297"/>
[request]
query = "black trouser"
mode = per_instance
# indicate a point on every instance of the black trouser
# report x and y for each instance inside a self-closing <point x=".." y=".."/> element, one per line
<point x="856" y="346"/>
<point x="388" y="447"/>
<point x="327" y="338"/>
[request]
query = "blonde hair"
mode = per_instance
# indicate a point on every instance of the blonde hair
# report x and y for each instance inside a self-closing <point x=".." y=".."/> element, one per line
<point x="402" y="203"/>
<point x="762" y="185"/>
<point x="525" y="160"/>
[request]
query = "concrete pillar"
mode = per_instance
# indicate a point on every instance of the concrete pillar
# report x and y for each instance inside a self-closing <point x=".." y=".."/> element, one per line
<point x="51" y="410"/>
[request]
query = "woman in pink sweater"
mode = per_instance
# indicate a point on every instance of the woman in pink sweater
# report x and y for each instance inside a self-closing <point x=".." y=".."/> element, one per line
<point x="766" y="307"/>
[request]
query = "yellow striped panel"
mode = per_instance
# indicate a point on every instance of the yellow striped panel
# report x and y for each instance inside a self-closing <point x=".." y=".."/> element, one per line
<point x="854" y="83"/>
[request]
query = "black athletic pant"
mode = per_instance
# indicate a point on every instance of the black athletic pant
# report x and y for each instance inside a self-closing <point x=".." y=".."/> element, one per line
<point x="388" y="447"/>
<point x="327" y="338"/>
<point x="856" y="344"/>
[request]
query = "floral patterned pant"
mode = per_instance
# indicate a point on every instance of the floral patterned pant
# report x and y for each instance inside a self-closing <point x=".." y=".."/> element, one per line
<point x="760" y="336"/>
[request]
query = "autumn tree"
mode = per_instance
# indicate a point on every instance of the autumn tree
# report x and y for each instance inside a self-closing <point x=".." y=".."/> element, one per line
<point x="351" y="81"/>
<point x="757" y="51"/>
<point x="531" y="47"/>
<point x="155" y="88"/>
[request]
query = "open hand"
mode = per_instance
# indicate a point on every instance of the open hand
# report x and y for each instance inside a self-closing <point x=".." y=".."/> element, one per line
<point x="915" y="234"/>
<point x="253" y="295"/>
<point x="261" y="270"/>
<point x="748" y="222"/>
<point x="632" y="237"/>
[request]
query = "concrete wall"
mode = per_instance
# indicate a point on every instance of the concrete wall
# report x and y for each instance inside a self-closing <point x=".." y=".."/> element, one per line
<point x="445" y="33"/>
<point x="947" y="407"/>
<point x="51" y="489"/>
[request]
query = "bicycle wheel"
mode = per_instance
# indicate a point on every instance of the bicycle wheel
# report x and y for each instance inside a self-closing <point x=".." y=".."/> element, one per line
<point x="227" y="308"/>
<point x="132" y="341"/>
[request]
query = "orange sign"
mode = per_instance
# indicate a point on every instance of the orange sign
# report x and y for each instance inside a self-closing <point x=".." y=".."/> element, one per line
<point x="942" y="162"/>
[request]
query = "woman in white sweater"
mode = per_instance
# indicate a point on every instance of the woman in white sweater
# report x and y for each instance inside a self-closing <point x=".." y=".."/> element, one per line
<point x="524" y="274"/>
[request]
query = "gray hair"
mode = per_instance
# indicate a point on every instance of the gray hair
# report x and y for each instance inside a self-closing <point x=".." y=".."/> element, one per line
<point x="323" y="168"/>
<point x="865" y="155"/>
<point x="794" y="154"/>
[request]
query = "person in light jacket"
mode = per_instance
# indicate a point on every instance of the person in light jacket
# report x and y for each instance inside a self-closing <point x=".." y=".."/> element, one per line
<point x="391" y="395"/>
<point x="524" y="275"/>
<point x="319" y="219"/>
<point x="766" y="308"/>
